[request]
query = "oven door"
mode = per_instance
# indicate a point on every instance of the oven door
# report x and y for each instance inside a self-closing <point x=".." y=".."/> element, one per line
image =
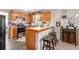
<point x="21" y="32"/>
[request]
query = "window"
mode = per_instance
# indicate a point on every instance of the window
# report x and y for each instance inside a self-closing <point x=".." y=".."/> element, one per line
<point x="36" y="18"/>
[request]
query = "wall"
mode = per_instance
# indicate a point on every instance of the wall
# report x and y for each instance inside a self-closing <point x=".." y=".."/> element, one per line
<point x="39" y="37"/>
<point x="6" y="15"/>
<point x="56" y="16"/>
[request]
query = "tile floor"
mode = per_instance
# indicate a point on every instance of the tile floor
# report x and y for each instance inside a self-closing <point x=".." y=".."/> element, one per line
<point x="20" y="45"/>
<point x="15" y="44"/>
<point x="66" y="46"/>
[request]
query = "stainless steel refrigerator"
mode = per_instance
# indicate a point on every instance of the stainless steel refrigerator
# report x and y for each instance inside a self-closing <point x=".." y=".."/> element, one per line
<point x="2" y="32"/>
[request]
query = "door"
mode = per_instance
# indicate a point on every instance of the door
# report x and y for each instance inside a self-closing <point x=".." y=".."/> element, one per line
<point x="2" y="32"/>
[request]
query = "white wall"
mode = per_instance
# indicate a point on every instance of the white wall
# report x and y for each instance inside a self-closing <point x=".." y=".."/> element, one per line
<point x="6" y="15"/>
<point x="56" y="16"/>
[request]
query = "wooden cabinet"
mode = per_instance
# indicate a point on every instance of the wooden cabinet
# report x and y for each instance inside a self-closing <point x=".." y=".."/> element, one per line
<point x="69" y="35"/>
<point x="13" y="15"/>
<point x="13" y="32"/>
<point x="9" y="32"/>
<point x="27" y="17"/>
<point x="30" y="39"/>
<point x="30" y="17"/>
<point x="46" y="15"/>
<point x="23" y="16"/>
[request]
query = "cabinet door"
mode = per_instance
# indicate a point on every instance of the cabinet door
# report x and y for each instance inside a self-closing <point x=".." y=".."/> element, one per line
<point x="18" y="14"/>
<point x="9" y="32"/>
<point x="24" y="16"/>
<point x="72" y="37"/>
<point x="29" y="18"/>
<point x="27" y="39"/>
<point x="13" y="32"/>
<point x="46" y="16"/>
<point x="30" y="40"/>
<point x="65" y="37"/>
<point x="13" y="15"/>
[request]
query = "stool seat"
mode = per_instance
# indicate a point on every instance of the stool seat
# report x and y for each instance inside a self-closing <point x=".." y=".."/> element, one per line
<point x="47" y="38"/>
<point x="49" y="41"/>
<point x="55" y="37"/>
<point x="52" y="33"/>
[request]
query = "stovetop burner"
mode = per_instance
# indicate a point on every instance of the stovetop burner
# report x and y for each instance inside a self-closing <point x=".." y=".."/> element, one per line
<point x="21" y="26"/>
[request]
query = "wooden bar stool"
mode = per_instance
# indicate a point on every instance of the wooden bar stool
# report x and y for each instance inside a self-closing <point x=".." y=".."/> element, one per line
<point x="55" y="37"/>
<point x="48" y="42"/>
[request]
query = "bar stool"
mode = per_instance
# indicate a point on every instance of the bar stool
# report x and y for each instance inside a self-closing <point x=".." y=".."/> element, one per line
<point x="48" y="42"/>
<point x="55" y="37"/>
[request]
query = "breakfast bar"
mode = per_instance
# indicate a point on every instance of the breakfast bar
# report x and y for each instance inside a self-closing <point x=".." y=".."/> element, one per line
<point x="34" y="35"/>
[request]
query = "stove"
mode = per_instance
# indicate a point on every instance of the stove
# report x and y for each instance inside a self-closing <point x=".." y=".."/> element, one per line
<point x="21" y="30"/>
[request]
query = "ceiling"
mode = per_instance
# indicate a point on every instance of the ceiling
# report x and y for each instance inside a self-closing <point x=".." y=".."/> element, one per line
<point x="5" y="10"/>
<point x="22" y="10"/>
<point x="31" y="10"/>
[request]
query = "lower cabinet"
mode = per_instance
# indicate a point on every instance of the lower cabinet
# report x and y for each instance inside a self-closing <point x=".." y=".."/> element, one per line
<point x="13" y="32"/>
<point x="30" y="39"/>
<point x="69" y="36"/>
<point x="33" y="37"/>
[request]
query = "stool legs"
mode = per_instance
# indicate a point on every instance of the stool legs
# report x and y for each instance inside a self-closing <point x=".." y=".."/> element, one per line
<point x="53" y="44"/>
<point x="55" y="40"/>
<point x="47" y="45"/>
<point x="43" y="44"/>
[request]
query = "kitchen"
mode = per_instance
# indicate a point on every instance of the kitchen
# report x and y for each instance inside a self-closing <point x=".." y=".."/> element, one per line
<point x="19" y="22"/>
<point x="30" y="26"/>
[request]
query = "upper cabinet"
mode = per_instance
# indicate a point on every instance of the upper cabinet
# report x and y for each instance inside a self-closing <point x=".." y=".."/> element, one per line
<point x="13" y="15"/>
<point x="46" y="15"/>
<point x="23" y="16"/>
<point x="29" y="17"/>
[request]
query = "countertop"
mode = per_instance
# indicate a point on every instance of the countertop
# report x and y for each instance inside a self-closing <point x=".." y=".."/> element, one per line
<point x="39" y="29"/>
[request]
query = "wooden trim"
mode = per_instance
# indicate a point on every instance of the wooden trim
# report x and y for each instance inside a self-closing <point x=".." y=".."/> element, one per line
<point x="39" y="30"/>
